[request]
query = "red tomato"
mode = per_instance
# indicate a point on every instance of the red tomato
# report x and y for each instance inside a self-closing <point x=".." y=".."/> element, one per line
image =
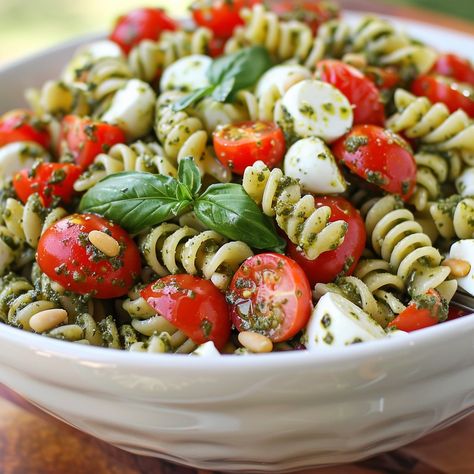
<point x="456" y="95"/>
<point x="342" y="260"/>
<point x="21" y="125"/>
<point x="220" y="16"/>
<point x="49" y="180"/>
<point x="383" y="78"/>
<point x="193" y="305"/>
<point x="138" y="25"/>
<point x="67" y="256"/>
<point x="270" y="294"/>
<point x="216" y="47"/>
<point x="379" y="156"/>
<point x="240" y="145"/>
<point x="83" y="138"/>
<point x="452" y="65"/>
<point x="312" y="12"/>
<point x="360" y="90"/>
<point x="424" y="311"/>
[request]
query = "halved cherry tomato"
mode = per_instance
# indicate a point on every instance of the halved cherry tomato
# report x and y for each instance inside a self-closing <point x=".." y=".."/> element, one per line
<point x="67" y="256"/>
<point x="193" y="305"/>
<point x="270" y="294"/>
<point x="49" y="180"/>
<point x="423" y="311"/>
<point x="360" y="90"/>
<point x="83" y="138"/>
<point x="220" y="16"/>
<point x="216" y="47"/>
<point x="379" y="156"/>
<point x="452" y="65"/>
<point x="384" y="78"/>
<point x="140" y="24"/>
<point x="456" y="95"/>
<point x="21" y="125"/>
<point x="312" y="12"/>
<point x="241" y="145"/>
<point x="343" y="260"/>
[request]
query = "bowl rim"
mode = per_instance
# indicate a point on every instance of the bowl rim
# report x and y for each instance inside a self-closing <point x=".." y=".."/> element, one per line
<point x="434" y="335"/>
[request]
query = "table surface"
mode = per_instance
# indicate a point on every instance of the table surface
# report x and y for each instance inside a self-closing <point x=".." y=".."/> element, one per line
<point x="33" y="442"/>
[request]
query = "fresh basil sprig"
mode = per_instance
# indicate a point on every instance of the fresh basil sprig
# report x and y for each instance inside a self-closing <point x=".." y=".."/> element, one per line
<point x="229" y="74"/>
<point x="137" y="201"/>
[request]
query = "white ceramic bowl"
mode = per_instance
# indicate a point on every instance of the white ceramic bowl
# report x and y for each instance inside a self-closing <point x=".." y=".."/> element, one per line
<point x="268" y="412"/>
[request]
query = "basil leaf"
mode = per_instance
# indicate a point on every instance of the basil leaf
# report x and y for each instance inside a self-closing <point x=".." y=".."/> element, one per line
<point x="136" y="200"/>
<point x="189" y="175"/>
<point x="223" y="90"/>
<point x="191" y="98"/>
<point x="229" y="210"/>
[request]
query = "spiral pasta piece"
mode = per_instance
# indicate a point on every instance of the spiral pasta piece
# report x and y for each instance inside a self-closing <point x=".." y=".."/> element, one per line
<point x="400" y="241"/>
<point x="149" y="58"/>
<point x="170" y="248"/>
<point x="182" y="135"/>
<point x="138" y="156"/>
<point x="432" y="124"/>
<point x="454" y="217"/>
<point x="280" y="197"/>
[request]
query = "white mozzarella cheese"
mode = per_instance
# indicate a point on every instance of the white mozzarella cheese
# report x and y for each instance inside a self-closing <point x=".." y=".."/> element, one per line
<point x="186" y="74"/>
<point x="281" y="77"/>
<point x="465" y="182"/>
<point x="132" y="109"/>
<point x="313" y="108"/>
<point x="312" y="162"/>
<point x="337" y="322"/>
<point x="208" y="349"/>
<point x="464" y="250"/>
<point x="19" y="155"/>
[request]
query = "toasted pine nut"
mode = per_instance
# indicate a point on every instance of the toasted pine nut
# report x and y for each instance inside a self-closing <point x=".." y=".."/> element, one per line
<point x="459" y="268"/>
<point x="48" y="319"/>
<point x="292" y="80"/>
<point x="255" y="342"/>
<point x="105" y="243"/>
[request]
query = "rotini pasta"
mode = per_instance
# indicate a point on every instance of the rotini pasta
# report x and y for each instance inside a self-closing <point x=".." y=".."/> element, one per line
<point x="454" y="217"/>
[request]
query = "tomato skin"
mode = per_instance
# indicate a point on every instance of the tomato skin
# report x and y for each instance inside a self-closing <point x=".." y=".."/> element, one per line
<point x="193" y="305"/>
<point x="140" y="24"/>
<point x="265" y="285"/>
<point x="360" y="90"/>
<point x="454" y="95"/>
<point x="20" y="125"/>
<point x="385" y="78"/>
<point x="240" y="145"/>
<point x="49" y="180"/>
<point x="379" y="156"/>
<point x="452" y="65"/>
<point x="342" y="260"/>
<point x="220" y="16"/>
<point x="68" y="258"/>
<point x="419" y="314"/>
<point x="84" y="138"/>
<point x="312" y="12"/>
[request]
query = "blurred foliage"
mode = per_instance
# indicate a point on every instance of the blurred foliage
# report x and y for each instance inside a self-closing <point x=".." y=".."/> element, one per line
<point x="27" y="25"/>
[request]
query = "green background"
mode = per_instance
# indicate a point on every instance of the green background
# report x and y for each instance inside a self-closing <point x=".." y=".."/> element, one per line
<point x="27" y="26"/>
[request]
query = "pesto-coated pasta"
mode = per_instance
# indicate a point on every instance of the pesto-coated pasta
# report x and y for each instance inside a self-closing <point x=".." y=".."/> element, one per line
<point x="454" y="217"/>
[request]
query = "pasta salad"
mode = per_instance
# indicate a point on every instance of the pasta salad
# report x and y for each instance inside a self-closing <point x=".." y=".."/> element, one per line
<point x="271" y="178"/>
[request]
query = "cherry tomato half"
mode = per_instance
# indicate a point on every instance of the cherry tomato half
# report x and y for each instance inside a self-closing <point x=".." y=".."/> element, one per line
<point x="342" y="260"/>
<point x="379" y="156"/>
<point x="49" y="180"/>
<point x="240" y="145"/>
<point x="193" y="305"/>
<point x="359" y="90"/>
<point x="456" y="95"/>
<point x="424" y="311"/>
<point x="67" y="256"/>
<point x="138" y="25"/>
<point x="384" y="78"/>
<point x="452" y="65"/>
<point x="220" y="16"/>
<point x="83" y="138"/>
<point x="270" y="294"/>
<point x="21" y="125"/>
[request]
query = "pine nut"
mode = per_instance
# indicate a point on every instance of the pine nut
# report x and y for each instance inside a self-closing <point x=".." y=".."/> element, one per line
<point x="48" y="319"/>
<point x="255" y="342"/>
<point x="292" y="80"/>
<point x="105" y="243"/>
<point x="459" y="268"/>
